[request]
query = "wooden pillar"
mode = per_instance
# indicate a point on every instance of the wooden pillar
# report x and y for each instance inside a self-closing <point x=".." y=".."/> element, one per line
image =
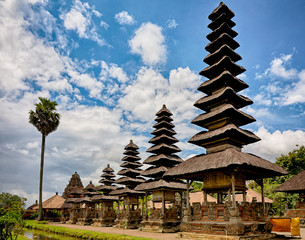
<point x="119" y="206"/>
<point x="205" y="197"/>
<point x="143" y="199"/>
<point x="233" y="190"/>
<point x="244" y="196"/>
<point x="263" y="196"/>
<point x="229" y="196"/>
<point x="163" y="202"/>
<point x="145" y="203"/>
<point x="188" y="195"/>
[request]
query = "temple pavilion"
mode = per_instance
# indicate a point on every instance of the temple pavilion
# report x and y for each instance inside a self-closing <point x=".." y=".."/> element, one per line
<point x="74" y="182"/>
<point x="224" y="169"/>
<point x="163" y="190"/>
<point x="130" y="215"/>
<point x="105" y="212"/>
<point x="295" y="185"/>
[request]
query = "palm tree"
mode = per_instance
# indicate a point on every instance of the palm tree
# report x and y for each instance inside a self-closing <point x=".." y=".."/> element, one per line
<point x="46" y="120"/>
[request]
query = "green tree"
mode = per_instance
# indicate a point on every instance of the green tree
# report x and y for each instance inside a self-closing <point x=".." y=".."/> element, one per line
<point x="11" y="211"/>
<point x="46" y="120"/>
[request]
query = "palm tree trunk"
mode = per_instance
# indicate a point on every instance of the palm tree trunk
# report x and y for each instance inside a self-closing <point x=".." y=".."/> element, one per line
<point x="40" y="213"/>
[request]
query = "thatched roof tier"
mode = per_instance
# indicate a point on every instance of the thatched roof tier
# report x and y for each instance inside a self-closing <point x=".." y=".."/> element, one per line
<point x="130" y="181"/>
<point x="102" y="197"/>
<point x="219" y="20"/>
<point x="163" y="118"/>
<point x="225" y="79"/>
<point x="166" y="131"/>
<point x="223" y="28"/>
<point x="131" y="146"/>
<point x="126" y="191"/>
<point x="163" y="138"/>
<point x="131" y="152"/>
<point x="164" y="124"/>
<point x="163" y="159"/>
<point x="130" y="172"/>
<point x="221" y="9"/>
<point x="106" y="188"/>
<point x="108" y="169"/>
<point x="227" y="95"/>
<point x="229" y="132"/>
<point x="155" y="172"/>
<point x="223" y="39"/>
<point x="225" y="114"/>
<point x="70" y="200"/>
<point x="66" y="205"/>
<point x="225" y="63"/>
<point x="254" y="166"/>
<point x="83" y="200"/>
<point x="131" y="165"/>
<point x="163" y="148"/>
<point x="74" y="181"/>
<point x="164" y="111"/>
<point x="131" y="158"/>
<point x="108" y="175"/>
<point x="224" y="50"/>
<point x="294" y="185"/>
<point x="76" y="191"/>
<point x="90" y="187"/>
<point x="161" y="184"/>
<point x="106" y="181"/>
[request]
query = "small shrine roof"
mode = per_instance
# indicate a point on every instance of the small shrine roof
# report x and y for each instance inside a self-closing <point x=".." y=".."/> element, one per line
<point x="131" y="158"/>
<point x="162" y="159"/>
<point x="130" y="152"/>
<point x="229" y="131"/>
<point x="163" y="124"/>
<point x="103" y="197"/>
<point x="83" y="200"/>
<point x="76" y="191"/>
<point x="164" y="118"/>
<point x="130" y="172"/>
<point x="90" y="187"/>
<point x="105" y="180"/>
<point x="227" y="95"/>
<point x="224" y="79"/>
<point x="225" y="63"/>
<point x="222" y="8"/>
<point x="228" y="111"/>
<point x="129" y="180"/>
<point x="163" y="130"/>
<point x="105" y="187"/>
<point x="108" y="175"/>
<point x="131" y="165"/>
<point x="196" y="166"/>
<point x="219" y="20"/>
<point x="161" y="184"/>
<point x="295" y="184"/>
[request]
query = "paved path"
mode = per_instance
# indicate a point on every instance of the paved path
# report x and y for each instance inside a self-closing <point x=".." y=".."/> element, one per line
<point x="137" y="233"/>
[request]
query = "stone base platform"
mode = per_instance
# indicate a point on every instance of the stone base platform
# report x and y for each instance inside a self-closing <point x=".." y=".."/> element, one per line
<point x="160" y="226"/>
<point x="189" y="235"/>
<point x="242" y="230"/>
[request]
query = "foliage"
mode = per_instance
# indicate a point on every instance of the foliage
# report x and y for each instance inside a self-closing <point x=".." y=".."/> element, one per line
<point x="197" y="186"/>
<point x="46" y="120"/>
<point x="84" y="234"/>
<point x="11" y="211"/>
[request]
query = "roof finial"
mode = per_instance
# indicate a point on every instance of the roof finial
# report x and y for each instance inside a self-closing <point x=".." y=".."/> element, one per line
<point x="164" y="106"/>
<point x="131" y="141"/>
<point x="108" y="165"/>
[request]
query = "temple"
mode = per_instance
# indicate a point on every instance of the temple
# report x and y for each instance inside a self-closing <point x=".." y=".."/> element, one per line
<point x="74" y="182"/>
<point x="224" y="169"/>
<point x="130" y="216"/>
<point x="167" y="217"/>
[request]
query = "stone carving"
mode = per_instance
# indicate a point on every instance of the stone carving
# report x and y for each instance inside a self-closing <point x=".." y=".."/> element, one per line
<point x="212" y="210"/>
<point x="226" y="215"/>
<point x="197" y="211"/>
<point x="235" y="229"/>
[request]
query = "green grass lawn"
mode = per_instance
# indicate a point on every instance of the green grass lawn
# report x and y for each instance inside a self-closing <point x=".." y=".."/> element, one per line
<point x="84" y="234"/>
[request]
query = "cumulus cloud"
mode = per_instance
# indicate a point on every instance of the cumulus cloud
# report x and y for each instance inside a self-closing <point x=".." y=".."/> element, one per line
<point x="79" y="19"/>
<point x="273" y="144"/>
<point x="171" y="23"/>
<point x="124" y="18"/>
<point x="149" y="43"/>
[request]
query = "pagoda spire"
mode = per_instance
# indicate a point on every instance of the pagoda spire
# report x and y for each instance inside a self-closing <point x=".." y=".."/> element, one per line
<point x="222" y="117"/>
<point x="107" y="178"/>
<point x="131" y="167"/>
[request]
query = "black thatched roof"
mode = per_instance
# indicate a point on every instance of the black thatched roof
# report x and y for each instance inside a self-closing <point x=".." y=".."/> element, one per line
<point x="295" y="184"/>
<point x="255" y="166"/>
<point x="161" y="184"/>
<point x="108" y="169"/>
<point x="125" y="191"/>
<point x="90" y="187"/>
<point x="102" y="197"/>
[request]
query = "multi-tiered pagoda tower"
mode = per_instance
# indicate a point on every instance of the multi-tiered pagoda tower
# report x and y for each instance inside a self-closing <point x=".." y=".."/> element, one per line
<point x="107" y="179"/>
<point x="167" y="217"/>
<point x="130" y="215"/>
<point x="74" y="182"/>
<point x="224" y="168"/>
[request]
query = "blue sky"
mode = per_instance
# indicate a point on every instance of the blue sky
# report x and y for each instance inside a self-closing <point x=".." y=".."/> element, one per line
<point x="111" y="65"/>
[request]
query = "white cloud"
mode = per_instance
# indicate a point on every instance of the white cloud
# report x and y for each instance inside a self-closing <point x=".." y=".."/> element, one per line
<point x="171" y="23"/>
<point x="149" y="43"/>
<point x="104" y="25"/>
<point x="112" y="71"/>
<point x="278" y="67"/>
<point x="79" y="19"/>
<point x="124" y="18"/>
<point x="296" y="93"/>
<point x="274" y="144"/>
